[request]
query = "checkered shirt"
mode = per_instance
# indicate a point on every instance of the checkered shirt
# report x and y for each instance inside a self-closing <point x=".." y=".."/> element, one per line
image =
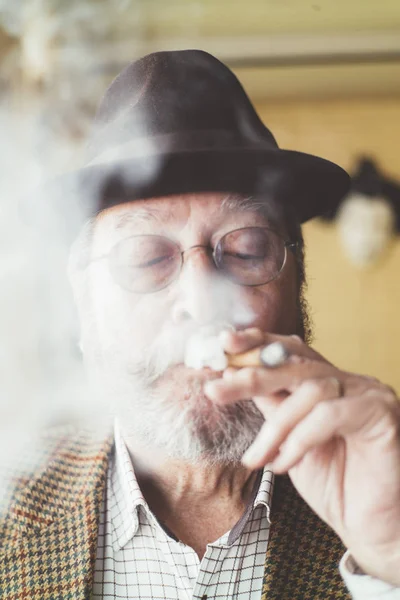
<point x="137" y="558"/>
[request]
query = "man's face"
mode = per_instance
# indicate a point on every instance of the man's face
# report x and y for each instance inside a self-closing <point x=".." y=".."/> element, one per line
<point x="134" y="343"/>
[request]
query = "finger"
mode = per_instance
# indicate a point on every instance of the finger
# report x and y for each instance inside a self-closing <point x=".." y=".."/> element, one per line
<point x="368" y="419"/>
<point x="251" y="382"/>
<point x="236" y="342"/>
<point x="273" y="400"/>
<point x="245" y="339"/>
<point x="266" y="402"/>
<point x="286" y="417"/>
<point x="228" y="374"/>
<point x="263" y="403"/>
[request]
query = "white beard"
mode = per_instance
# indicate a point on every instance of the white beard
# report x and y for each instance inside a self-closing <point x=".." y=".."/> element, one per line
<point x="210" y="434"/>
<point x="189" y="427"/>
<point x="185" y="431"/>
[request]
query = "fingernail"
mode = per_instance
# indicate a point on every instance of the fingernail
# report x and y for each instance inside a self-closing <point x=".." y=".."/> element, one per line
<point x="279" y="464"/>
<point x="252" y="455"/>
<point x="283" y="459"/>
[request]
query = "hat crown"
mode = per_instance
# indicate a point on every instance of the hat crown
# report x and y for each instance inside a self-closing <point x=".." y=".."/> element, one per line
<point x="176" y="93"/>
<point x="180" y="123"/>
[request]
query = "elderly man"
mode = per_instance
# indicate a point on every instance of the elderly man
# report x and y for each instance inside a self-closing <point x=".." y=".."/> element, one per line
<point x="218" y="482"/>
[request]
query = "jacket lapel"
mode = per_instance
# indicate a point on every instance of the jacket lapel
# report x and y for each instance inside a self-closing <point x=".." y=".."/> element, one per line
<point x="49" y="533"/>
<point x="303" y="553"/>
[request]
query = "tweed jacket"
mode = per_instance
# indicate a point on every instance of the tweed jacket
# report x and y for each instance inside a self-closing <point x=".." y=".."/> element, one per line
<point x="48" y="530"/>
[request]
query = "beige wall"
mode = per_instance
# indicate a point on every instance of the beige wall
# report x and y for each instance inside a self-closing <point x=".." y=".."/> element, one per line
<point x="356" y="313"/>
<point x="220" y="18"/>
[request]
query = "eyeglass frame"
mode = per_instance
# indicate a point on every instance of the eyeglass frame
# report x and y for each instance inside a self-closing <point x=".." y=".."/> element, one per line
<point x="287" y="244"/>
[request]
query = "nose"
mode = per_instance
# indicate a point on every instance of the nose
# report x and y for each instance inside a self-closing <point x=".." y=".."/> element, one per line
<point x="196" y="298"/>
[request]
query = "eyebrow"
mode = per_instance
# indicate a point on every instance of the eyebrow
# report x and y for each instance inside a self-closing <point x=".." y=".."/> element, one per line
<point x="231" y="203"/>
<point x="234" y="202"/>
<point x="267" y="208"/>
<point x="139" y="216"/>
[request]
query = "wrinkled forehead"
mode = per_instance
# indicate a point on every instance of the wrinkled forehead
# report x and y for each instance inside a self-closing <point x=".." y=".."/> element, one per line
<point x="171" y="213"/>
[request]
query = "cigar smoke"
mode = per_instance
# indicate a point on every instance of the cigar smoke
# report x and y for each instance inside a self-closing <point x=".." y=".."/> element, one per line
<point x="46" y="109"/>
<point x="41" y="377"/>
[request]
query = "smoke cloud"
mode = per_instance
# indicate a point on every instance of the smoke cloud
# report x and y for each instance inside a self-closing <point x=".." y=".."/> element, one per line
<point x="52" y="89"/>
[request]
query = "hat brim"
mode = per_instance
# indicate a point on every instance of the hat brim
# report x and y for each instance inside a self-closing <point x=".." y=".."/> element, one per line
<point x="309" y="185"/>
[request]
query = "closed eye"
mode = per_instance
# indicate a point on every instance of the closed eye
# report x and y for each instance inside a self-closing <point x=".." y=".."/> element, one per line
<point x="153" y="262"/>
<point x="244" y="256"/>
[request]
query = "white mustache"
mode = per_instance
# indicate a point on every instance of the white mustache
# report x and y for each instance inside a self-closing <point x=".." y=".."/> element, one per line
<point x="169" y="349"/>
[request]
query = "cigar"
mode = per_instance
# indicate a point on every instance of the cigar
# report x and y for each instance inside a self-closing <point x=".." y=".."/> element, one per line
<point x="272" y="355"/>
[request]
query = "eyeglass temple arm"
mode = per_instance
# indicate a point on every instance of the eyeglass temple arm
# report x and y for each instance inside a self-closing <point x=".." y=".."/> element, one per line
<point x="292" y="246"/>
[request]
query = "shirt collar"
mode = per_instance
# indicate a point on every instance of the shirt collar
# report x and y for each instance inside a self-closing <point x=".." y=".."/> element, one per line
<point x="265" y="490"/>
<point x="127" y="496"/>
<point x="261" y="496"/>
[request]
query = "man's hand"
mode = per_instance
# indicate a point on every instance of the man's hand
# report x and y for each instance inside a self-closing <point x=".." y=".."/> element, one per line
<point x="337" y="435"/>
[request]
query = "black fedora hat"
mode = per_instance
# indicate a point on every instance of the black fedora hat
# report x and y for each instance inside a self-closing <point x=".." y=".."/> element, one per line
<point x="180" y="122"/>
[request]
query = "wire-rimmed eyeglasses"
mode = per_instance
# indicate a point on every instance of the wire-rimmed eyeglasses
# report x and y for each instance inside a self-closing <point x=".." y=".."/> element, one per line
<point x="249" y="256"/>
